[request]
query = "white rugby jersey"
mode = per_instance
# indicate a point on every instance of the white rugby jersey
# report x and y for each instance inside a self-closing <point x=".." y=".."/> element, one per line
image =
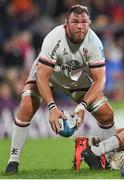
<point x="71" y="62"/>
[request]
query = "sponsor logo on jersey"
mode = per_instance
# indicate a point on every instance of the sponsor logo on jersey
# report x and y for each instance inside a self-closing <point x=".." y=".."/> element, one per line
<point x="55" y="49"/>
<point x="71" y="66"/>
<point x="85" y="53"/>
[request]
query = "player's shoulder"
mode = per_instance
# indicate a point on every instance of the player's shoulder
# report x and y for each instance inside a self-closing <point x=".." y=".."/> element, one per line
<point x="56" y="34"/>
<point x="93" y="37"/>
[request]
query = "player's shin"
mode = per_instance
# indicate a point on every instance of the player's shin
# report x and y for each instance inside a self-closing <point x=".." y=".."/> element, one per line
<point x="108" y="145"/>
<point x="19" y="134"/>
<point x="106" y="131"/>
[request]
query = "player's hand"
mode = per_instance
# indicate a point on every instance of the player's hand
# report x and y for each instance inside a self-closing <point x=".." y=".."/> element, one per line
<point x="79" y="110"/>
<point x="80" y="118"/>
<point x="54" y="115"/>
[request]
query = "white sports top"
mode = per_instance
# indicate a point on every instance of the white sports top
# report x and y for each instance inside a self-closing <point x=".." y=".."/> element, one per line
<point x="71" y="62"/>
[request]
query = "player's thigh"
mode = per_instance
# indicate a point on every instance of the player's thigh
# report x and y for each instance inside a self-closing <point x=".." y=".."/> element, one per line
<point x="29" y="103"/>
<point x="104" y="114"/>
<point x="119" y="130"/>
<point x="121" y="137"/>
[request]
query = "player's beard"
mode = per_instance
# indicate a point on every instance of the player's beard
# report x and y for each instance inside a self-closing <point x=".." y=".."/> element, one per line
<point x="78" y="37"/>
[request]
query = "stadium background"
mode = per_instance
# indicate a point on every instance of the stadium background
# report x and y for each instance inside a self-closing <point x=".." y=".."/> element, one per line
<point x="23" y="25"/>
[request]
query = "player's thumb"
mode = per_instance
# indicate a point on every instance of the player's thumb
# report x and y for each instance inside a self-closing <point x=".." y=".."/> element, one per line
<point x="64" y="116"/>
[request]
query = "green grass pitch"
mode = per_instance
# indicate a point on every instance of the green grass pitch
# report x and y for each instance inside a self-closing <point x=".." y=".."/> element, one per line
<point x="49" y="159"/>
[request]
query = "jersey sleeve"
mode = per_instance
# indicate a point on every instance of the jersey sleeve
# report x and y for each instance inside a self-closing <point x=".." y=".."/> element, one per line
<point x="96" y="55"/>
<point x="49" y="50"/>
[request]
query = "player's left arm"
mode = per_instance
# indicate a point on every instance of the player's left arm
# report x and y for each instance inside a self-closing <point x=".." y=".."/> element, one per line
<point x="97" y="71"/>
<point x="96" y="90"/>
<point x="96" y="63"/>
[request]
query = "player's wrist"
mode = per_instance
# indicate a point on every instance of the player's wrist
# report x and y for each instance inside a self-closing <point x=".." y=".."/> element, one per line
<point x="51" y="105"/>
<point x="82" y="106"/>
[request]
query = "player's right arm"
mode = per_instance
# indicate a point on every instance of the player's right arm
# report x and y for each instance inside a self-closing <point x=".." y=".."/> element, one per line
<point x="44" y="70"/>
<point x="43" y="74"/>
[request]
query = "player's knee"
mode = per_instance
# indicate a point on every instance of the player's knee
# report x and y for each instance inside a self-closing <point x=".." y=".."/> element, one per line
<point x="108" y="118"/>
<point x="25" y="112"/>
<point x="21" y="123"/>
<point x="27" y="108"/>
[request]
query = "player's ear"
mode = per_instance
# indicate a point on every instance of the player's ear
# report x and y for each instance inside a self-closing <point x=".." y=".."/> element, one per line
<point x="65" y="24"/>
<point x="89" y="21"/>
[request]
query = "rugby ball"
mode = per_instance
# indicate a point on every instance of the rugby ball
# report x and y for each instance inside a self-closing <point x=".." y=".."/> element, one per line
<point x="67" y="126"/>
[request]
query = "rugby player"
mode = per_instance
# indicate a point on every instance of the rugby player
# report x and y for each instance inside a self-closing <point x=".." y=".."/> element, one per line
<point x="72" y="61"/>
<point x="92" y="154"/>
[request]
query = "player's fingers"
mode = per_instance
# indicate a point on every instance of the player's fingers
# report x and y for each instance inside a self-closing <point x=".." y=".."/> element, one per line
<point x="53" y="127"/>
<point x="78" y="123"/>
<point x="63" y="116"/>
<point x="80" y="115"/>
<point x="57" y="126"/>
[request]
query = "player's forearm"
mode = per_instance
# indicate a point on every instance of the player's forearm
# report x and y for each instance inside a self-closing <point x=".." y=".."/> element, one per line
<point x="95" y="91"/>
<point x="45" y="91"/>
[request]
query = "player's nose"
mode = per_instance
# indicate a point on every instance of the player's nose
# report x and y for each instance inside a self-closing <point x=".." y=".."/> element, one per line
<point x="80" y="25"/>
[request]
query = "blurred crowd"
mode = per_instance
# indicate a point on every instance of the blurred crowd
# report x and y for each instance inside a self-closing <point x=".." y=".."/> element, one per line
<point x="25" y="23"/>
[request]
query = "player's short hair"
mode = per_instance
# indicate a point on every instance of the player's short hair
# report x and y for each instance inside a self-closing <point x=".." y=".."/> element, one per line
<point x="77" y="9"/>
